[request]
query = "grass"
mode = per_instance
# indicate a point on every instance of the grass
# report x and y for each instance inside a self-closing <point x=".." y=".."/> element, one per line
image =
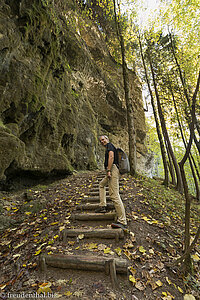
<point x="168" y="202"/>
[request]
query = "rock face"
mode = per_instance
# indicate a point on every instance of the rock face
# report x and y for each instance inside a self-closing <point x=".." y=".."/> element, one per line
<point x="59" y="90"/>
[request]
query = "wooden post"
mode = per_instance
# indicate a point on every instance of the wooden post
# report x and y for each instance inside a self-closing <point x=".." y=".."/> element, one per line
<point x="113" y="274"/>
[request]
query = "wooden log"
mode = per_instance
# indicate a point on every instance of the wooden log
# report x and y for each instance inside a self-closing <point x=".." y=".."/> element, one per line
<point x="113" y="274"/>
<point x="104" y="233"/>
<point x="81" y="262"/>
<point x="96" y="193"/>
<point x="94" y="216"/>
<point x="42" y="263"/>
<point x="92" y="206"/>
<point x="94" y="199"/>
<point x="96" y="185"/>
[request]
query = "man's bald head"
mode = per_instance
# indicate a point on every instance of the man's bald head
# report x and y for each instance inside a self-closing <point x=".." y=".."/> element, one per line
<point x="104" y="140"/>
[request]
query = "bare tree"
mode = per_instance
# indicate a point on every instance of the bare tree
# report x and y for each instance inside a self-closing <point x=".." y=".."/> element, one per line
<point x="129" y="106"/>
<point x="159" y="133"/>
<point x="179" y="185"/>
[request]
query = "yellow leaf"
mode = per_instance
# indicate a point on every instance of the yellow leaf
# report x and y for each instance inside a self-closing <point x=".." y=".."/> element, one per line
<point x="164" y="294"/>
<point x="77" y="248"/>
<point x="159" y="283"/>
<point x="140" y="286"/>
<point x="107" y="250"/>
<point x="16" y="255"/>
<point x="19" y="245"/>
<point x="128" y="254"/>
<point x="81" y="236"/>
<point x="71" y="243"/>
<point x="38" y="252"/>
<point x="3" y="286"/>
<point x="61" y="228"/>
<point x="38" y="248"/>
<point x="68" y="293"/>
<point x="141" y="249"/>
<point x="195" y="257"/>
<point x="145" y="219"/>
<point x="168" y="280"/>
<point x="54" y="223"/>
<point x="132" y="270"/>
<point x="45" y="284"/>
<point x="92" y="246"/>
<point x="55" y="236"/>
<point x="154" y="222"/>
<point x="118" y="251"/>
<point x="44" y="290"/>
<point x="132" y="279"/>
<point x="45" y="218"/>
<point x="180" y="290"/>
<point x="128" y="245"/>
<point x="28" y="213"/>
<point x="151" y="251"/>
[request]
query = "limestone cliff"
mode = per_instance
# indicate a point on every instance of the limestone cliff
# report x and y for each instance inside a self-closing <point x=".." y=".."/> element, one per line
<point x="60" y="89"/>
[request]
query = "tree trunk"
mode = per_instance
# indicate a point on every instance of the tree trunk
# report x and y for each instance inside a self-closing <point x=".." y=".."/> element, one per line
<point x="129" y="107"/>
<point x="187" y="262"/>
<point x="186" y="93"/>
<point x="171" y="166"/>
<point x="160" y="138"/>
<point x="179" y="185"/>
<point x="190" y="161"/>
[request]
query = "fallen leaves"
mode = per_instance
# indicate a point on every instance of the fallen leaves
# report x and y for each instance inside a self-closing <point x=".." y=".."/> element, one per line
<point x="91" y="246"/>
<point x="142" y="250"/>
<point x="44" y="288"/>
<point x="108" y="251"/>
<point x="81" y="236"/>
<point x="118" y="251"/>
<point x="132" y="279"/>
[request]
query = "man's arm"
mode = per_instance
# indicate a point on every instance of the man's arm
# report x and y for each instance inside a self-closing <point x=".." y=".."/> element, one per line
<point x="110" y="162"/>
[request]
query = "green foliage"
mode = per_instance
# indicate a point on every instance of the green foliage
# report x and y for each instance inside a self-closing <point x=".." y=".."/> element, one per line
<point x="75" y="95"/>
<point x="2" y="124"/>
<point x="167" y="202"/>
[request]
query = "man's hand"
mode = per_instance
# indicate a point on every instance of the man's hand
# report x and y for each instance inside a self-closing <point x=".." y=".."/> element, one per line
<point x="109" y="174"/>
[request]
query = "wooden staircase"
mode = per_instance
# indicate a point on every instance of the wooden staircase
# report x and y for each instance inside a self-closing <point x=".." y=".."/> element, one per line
<point x="85" y="212"/>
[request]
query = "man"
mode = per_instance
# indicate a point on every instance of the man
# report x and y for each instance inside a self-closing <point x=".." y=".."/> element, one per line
<point x="112" y="180"/>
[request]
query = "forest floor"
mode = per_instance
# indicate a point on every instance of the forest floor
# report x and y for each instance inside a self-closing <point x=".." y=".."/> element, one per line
<point x="37" y="216"/>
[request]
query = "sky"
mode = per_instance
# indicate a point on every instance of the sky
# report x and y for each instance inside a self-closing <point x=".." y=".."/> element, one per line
<point x="149" y="6"/>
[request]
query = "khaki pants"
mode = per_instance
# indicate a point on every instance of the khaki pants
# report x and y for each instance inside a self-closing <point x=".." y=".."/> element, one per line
<point x="113" y="185"/>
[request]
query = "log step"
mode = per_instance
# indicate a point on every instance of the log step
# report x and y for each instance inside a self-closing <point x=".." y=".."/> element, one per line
<point x="104" y="233"/>
<point x="94" y="216"/>
<point x="95" y="187"/>
<point x="92" y="206"/>
<point x="93" y="199"/>
<point x="96" y="193"/>
<point x="82" y="262"/>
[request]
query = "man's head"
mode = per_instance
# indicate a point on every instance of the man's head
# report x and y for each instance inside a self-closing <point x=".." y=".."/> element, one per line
<point x="104" y="140"/>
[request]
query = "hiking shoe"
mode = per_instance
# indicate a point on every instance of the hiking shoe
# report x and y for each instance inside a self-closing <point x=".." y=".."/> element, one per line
<point x="119" y="225"/>
<point x="101" y="209"/>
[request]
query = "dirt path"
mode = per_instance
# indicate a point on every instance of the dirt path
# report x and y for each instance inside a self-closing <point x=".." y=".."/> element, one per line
<point x="57" y="226"/>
